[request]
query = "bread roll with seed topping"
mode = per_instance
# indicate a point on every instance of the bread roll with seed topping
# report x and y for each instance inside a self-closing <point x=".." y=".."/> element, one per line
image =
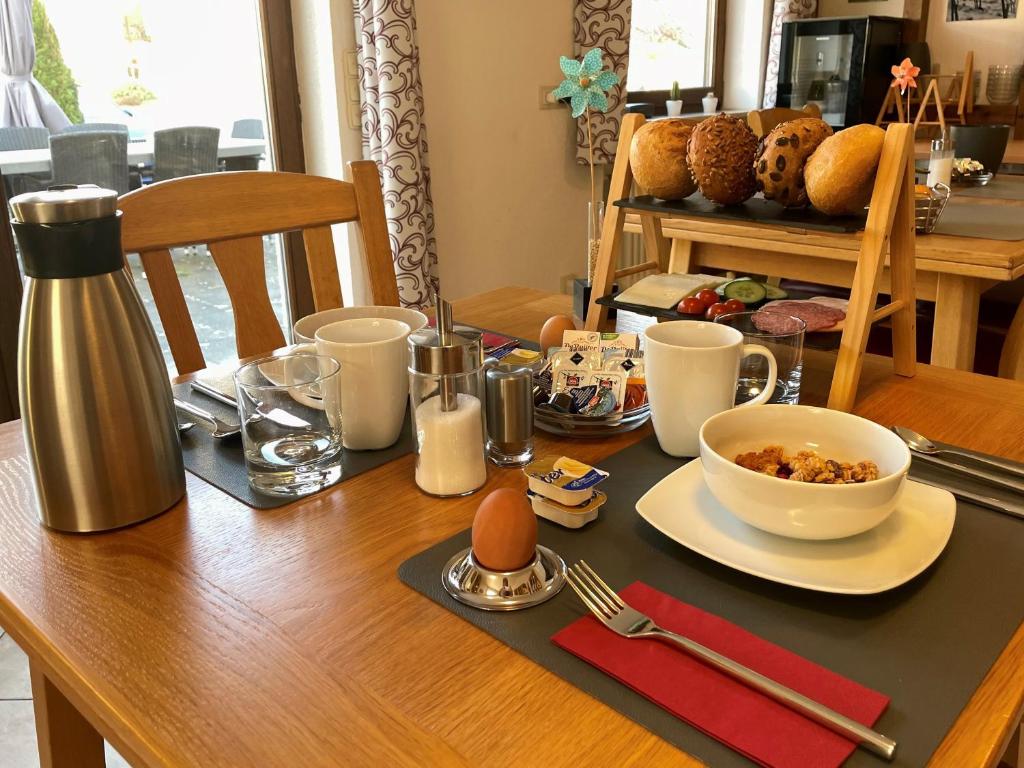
<point x="721" y="155"/>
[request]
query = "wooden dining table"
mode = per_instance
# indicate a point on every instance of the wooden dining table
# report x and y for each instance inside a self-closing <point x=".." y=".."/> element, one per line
<point x="220" y="635"/>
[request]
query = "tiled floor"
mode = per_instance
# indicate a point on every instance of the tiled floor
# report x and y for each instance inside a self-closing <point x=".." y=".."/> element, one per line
<point x="17" y="726"/>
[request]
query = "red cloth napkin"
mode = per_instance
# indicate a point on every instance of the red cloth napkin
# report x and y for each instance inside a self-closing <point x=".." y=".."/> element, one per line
<point x="765" y="731"/>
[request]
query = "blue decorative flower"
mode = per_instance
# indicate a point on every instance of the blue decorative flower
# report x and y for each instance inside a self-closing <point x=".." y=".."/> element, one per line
<point x="585" y="83"/>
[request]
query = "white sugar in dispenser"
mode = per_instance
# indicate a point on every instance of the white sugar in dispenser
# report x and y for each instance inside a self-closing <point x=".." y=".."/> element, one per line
<point x="447" y="409"/>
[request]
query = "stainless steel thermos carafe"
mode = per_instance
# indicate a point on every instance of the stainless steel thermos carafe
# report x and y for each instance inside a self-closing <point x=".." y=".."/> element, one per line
<point x="99" y="422"/>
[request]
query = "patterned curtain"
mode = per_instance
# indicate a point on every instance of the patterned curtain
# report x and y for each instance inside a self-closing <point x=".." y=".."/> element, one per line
<point x="603" y="24"/>
<point x="782" y="11"/>
<point x="395" y="137"/>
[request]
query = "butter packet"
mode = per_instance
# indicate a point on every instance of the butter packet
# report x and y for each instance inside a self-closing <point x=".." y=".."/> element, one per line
<point x="569" y="378"/>
<point x="614" y="382"/>
<point x="563" y="480"/>
<point x="589" y="360"/>
<point x="626" y="341"/>
<point x="631" y="363"/>
<point x="581" y="341"/>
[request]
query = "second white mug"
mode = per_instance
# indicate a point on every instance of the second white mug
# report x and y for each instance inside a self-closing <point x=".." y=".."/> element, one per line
<point x="373" y="355"/>
<point x="692" y="368"/>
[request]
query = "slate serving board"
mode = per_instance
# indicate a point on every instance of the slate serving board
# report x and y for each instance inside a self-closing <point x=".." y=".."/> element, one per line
<point x="927" y="644"/>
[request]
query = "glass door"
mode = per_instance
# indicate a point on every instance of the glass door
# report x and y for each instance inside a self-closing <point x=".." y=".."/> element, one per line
<point x="184" y="82"/>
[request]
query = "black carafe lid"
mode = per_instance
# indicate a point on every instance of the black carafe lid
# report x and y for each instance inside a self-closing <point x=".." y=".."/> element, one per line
<point x="68" y="230"/>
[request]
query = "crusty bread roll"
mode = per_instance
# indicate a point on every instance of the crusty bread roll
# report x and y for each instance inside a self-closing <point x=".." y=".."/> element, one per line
<point x="779" y="167"/>
<point x="657" y="156"/>
<point x="840" y="174"/>
<point x="721" y="155"/>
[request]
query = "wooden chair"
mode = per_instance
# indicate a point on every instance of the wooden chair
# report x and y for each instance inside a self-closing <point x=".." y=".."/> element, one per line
<point x="230" y="213"/>
<point x="761" y="121"/>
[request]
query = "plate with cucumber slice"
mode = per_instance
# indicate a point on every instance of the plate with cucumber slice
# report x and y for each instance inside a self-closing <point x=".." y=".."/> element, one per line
<point x="757" y="295"/>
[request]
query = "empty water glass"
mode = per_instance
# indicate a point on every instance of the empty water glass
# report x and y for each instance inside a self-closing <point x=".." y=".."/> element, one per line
<point x="783" y="335"/>
<point x="290" y="409"/>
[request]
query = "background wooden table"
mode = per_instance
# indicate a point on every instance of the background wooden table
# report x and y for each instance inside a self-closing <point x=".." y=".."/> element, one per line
<point x="952" y="271"/>
<point x="218" y="635"/>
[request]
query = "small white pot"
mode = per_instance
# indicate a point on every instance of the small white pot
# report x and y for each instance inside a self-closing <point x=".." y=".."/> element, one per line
<point x="675" y="108"/>
<point x="710" y="103"/>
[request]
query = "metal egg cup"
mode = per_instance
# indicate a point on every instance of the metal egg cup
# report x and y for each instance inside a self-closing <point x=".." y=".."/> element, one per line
<point x="471" y="583"/>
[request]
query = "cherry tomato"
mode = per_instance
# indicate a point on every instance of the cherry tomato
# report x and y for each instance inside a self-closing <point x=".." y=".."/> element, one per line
<point x="707" y="297"/>
<point x="735" y="305"/>
<point x="715" y="310"/>
<point x="691" y="305"/>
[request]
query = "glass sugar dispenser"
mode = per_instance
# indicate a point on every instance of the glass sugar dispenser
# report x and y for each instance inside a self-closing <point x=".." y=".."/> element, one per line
<point x="447" y="407"/>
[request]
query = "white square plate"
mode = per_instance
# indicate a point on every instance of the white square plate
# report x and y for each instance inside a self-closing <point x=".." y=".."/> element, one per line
<point x="682" y="508"/>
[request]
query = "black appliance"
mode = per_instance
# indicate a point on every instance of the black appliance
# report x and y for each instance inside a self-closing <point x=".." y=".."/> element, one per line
<point x="842" y="65"/>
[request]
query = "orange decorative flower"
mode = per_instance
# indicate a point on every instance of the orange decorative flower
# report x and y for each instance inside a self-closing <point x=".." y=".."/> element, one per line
<point x="904" y="75"/>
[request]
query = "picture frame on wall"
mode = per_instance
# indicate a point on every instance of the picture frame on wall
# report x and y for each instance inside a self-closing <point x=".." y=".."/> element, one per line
<point x="973" y="10"/>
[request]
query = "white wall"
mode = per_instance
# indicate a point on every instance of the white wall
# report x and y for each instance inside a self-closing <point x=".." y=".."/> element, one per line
<point x="509" y="200"/>
<point x="323" y="31"/>
<point x="746" y="37"/>
<point x="996" y="41"/>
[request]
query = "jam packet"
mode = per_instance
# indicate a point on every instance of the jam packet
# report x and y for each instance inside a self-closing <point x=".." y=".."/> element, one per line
<point x="615" y="383"/>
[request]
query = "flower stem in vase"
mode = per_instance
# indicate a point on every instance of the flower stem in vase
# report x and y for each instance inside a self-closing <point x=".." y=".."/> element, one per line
<point x="594" y="215"/>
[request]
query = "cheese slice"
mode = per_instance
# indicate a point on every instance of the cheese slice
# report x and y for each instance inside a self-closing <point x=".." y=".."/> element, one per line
<point x="665" y="291"/>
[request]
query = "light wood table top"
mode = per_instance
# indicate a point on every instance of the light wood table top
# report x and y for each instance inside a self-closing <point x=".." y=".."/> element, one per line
<point x="219" y="635"/>
<point x="1014" y="151"/>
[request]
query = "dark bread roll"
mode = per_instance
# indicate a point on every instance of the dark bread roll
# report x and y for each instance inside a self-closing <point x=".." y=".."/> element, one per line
<point x="657" y="156"/>
<point x="779" y="167"/>
<point x="840" y="175"/>
<point x="721" y="155"/>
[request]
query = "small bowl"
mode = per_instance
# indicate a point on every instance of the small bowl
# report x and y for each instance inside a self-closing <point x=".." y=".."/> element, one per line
<point x="304" y="330"/>
<point x="794" y="509"/>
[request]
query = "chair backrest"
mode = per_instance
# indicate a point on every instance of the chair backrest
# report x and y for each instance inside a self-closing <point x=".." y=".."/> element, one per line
<point x="965" y="104"/>
<point x="76" y="127"/>
<point x="185" y="151"/>
<point x="249" y="128"/>
<point x="91" y="157"/>
<point x="231" y="212"/>
<point x="21" y="137"/>
<point x="761" y="121"/>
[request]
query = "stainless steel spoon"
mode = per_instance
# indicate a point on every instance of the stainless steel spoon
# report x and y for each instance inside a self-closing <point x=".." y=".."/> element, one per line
<point x="185" y="426"/>
<point x="927" y="450"/>
<point x="221" y="429"/>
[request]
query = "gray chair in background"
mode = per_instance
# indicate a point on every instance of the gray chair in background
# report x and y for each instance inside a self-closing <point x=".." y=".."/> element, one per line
<point x="249" y="128"/>
<point x="91" y="157"/>
<point x="184" y="151"/>
<point x="17" y="137"/>
<point x="76" y="127"/>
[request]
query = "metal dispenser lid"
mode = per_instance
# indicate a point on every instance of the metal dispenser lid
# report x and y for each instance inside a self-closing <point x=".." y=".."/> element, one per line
<point x="463" y="353"/>
<point x="64" y="203"/>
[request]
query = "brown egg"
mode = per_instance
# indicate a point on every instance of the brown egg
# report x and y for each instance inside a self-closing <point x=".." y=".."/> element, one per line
<point x="551" y="333"/>
<point x="504" y="531"/>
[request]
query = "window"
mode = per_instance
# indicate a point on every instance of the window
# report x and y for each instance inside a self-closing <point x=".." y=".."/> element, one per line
<point x="675" y="40"/>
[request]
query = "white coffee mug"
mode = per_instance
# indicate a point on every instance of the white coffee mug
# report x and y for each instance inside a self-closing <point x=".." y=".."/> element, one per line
<point x="373" y="353"/>
<point x="692" y="368"/>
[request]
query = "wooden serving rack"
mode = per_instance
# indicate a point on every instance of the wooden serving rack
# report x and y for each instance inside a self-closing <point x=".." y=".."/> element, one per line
<point x="889" y="229"/>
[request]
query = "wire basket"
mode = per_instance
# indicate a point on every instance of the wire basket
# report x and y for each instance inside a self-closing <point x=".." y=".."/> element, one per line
<point x="929" y="206"/>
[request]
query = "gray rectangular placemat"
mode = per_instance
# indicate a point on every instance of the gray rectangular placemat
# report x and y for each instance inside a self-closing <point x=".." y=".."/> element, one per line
<point x="927" y="644"/>
<point x="221" y="463"/>
<point x="1002" y="187"/>
<point x="995" y="222"/>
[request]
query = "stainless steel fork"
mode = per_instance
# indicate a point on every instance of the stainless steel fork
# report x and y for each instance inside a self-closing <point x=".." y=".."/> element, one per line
<point x="609" y="608"/>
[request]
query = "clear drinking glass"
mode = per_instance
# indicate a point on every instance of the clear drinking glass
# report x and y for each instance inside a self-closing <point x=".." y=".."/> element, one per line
<point x="290" y="410"/>
<point x="784" y="336"/>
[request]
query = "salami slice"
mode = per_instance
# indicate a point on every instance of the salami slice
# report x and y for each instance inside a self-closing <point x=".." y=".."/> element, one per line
<point x="817" y="316"/>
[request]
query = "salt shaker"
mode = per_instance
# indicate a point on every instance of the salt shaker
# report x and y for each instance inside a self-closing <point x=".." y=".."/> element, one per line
<point x="447" y="408"/>
<point x="508" y="392"/>
<point x="940" y="161"/>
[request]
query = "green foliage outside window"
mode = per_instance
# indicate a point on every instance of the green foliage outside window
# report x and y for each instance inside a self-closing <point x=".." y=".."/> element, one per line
<point x="50" y="70"/>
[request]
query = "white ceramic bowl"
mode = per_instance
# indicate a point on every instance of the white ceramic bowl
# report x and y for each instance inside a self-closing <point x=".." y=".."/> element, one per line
<point x="791" y="508"/>
<point x="306" y="328"/>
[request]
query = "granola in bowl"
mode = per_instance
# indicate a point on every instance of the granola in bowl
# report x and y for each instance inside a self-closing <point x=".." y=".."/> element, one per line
<point x="807" y="467"/>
